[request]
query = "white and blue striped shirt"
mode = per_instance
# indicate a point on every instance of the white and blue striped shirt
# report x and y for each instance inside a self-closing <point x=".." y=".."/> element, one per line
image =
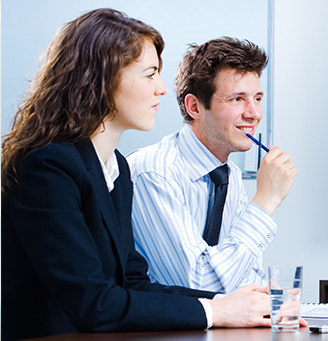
<point x="170" y="207"/>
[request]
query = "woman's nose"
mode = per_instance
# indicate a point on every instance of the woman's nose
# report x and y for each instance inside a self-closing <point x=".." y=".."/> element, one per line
<point x="161" y="88"/>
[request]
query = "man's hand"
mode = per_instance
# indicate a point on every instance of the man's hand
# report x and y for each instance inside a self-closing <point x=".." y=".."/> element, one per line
<point x="245" y="307"/>
<point x="274" y="179"/>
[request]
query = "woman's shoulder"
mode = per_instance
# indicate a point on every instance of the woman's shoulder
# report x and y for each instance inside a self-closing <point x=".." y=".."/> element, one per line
<point x="48" y="168"/>
<point x="51" y="150"/>
<point x="53" y="157"/>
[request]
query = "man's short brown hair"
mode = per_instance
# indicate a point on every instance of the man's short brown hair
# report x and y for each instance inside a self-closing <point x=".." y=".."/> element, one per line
<point x="201" y="64"/>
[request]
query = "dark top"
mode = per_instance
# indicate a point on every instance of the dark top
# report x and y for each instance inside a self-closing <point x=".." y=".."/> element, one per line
<point x="68" y="257"/>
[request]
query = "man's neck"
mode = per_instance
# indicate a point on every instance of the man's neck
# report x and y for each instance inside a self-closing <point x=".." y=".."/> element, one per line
<point x="215" y="149"/>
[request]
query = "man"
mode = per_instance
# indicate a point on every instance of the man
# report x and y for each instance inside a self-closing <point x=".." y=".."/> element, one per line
<point x="219" y="94"/>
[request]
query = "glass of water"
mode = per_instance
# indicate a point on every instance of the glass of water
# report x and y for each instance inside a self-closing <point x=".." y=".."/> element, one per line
<point x="285" y="289"/>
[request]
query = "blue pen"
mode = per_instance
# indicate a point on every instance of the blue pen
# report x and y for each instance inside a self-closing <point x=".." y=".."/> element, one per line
<point x="257" y="142"/>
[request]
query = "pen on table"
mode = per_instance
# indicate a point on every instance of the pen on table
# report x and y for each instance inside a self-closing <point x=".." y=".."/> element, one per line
<point x="257" y="142"/>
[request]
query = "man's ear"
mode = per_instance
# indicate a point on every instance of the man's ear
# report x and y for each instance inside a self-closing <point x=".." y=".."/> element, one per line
<point x="192" y="106"/>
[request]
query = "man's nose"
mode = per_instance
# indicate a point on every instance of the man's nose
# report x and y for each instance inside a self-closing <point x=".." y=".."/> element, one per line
<point x="253" y="110"/>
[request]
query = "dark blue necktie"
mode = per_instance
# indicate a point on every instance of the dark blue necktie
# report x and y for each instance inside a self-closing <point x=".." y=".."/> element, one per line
<point x="220" y="178"/>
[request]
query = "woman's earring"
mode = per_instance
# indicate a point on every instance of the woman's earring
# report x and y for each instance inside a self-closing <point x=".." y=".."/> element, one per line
<point x="103" y="124"/>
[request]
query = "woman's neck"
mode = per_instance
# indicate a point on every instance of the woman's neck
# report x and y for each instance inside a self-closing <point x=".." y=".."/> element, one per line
<point x="105" y="140"/>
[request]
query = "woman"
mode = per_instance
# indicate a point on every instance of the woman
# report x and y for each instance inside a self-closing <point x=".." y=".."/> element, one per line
<point x="69" y="262"/>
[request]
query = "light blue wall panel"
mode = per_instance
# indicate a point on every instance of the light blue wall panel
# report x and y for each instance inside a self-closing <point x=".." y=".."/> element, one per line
<point x="28" y="26"/>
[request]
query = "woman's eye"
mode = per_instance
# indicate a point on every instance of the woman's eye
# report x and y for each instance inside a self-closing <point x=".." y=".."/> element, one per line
<point x="151" y="76"/>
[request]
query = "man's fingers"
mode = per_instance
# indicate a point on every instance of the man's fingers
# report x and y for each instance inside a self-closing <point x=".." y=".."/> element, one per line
<point x="265" y="290"/>
<point x="303" y="323"/>
<point x="263" y="322"/>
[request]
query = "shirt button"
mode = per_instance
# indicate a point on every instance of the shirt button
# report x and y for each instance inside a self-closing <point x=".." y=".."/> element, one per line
<point x="261" y="246"/>
<point x="269" y="236"/>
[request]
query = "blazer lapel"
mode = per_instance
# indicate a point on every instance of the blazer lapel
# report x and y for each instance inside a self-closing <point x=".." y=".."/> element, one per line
<point x="122" y="200"/>
<point x="106" y="205"/>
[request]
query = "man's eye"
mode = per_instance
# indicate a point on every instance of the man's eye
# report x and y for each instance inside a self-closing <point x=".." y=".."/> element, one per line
<point x="237" y="99"/>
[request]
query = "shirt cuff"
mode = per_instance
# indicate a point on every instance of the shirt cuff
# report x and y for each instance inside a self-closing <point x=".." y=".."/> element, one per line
<point x="208" y="311"/>
<point x="218" y="296"/>
<point x="255" y="228"/>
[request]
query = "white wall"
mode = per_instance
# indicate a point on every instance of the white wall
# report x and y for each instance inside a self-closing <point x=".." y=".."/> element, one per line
<point x="300" y="124"/>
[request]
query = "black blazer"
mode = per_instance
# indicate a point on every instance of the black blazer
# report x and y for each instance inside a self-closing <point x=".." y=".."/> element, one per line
<point x="68" y="257"/>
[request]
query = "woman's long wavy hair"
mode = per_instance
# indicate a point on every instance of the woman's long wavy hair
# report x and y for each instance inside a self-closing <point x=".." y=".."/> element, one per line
<point x="74" y="89"/>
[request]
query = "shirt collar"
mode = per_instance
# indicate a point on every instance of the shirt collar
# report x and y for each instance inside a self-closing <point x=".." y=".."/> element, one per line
<point x="110" y="170"/>
<point x="198" y="159"/>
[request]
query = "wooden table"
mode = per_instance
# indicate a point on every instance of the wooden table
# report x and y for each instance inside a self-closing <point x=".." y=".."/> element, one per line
<point x="222" y="334"/>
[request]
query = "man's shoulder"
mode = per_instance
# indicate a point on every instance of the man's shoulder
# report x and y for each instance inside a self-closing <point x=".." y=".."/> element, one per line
<point x="235" y="176"/>
<point x="159" y="157"/>
<point x="234" y="168"/>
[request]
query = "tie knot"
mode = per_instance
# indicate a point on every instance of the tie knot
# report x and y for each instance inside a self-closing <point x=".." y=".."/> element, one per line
<point x="220" y="175"/>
